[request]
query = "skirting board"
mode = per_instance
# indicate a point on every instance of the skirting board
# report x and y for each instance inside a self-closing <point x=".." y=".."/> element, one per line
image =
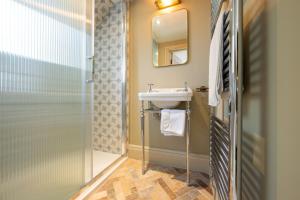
<point x="170" y="158"/>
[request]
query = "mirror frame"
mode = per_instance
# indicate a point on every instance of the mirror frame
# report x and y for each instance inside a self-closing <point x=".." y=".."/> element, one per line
<point x="188" y="39"/>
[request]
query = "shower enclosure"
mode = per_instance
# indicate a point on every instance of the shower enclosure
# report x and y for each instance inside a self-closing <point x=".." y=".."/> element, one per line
<point x="109" y="94"/>
<point x="62" y="94"/>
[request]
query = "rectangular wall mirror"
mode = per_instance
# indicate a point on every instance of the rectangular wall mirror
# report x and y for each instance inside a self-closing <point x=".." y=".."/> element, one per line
<point x="170" y="39"/>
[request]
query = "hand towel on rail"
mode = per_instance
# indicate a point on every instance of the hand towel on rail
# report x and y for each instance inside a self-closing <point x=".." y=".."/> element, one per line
<point x="172" y="122"/>
<point x="215" y="63"/>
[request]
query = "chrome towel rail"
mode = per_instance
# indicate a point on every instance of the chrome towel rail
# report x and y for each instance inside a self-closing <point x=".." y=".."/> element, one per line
<point x="226" y="119"/>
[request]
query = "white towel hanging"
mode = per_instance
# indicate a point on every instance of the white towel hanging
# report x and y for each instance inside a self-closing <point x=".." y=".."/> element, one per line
<point x="215" y="63"/>
<point x="172" y="122"/>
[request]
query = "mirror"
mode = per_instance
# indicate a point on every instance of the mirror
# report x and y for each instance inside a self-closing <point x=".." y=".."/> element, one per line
<point x="170" y="39"/>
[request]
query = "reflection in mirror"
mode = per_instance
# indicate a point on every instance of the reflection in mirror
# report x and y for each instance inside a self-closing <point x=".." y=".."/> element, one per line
<point x="170" y="39"/>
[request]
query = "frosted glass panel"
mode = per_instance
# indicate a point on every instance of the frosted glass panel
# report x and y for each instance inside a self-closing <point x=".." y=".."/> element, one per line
<point x="44" y="101"/>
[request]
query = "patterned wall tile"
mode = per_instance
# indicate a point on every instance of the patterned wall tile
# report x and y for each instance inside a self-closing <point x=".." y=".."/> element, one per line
<point x="109" y="42"/>
<point x="115" y="52"/>
<point x="110" y="109"/>
<point x="115" y="98"/>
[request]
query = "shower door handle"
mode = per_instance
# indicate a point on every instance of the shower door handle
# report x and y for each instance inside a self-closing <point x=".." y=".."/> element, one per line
<point x="93" y="70"/>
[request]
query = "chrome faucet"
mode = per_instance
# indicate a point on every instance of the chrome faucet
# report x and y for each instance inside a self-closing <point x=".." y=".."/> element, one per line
<point x="150" y="87"/>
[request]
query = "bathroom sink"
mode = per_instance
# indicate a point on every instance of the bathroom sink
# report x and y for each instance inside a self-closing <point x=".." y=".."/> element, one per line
<point x="167" y="97"/>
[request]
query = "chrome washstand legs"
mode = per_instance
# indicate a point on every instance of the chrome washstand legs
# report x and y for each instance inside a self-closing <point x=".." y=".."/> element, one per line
<point x="188" y="122"/>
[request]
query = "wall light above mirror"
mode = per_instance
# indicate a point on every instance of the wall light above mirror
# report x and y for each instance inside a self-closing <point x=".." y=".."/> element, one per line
<point x="170" y="38"/>
<point x="161" y="4"/>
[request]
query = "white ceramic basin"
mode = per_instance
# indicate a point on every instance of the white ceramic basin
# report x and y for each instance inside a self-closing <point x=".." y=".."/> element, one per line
<point x="166" y="97"/>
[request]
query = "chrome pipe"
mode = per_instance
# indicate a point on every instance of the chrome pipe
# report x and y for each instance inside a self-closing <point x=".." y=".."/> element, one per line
<point x="236" y="99"/>
<point x="143" y="136"/>
<point x="188" y="127"/>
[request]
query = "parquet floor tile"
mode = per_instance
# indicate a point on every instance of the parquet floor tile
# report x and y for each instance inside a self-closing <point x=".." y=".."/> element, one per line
<point x="159" y="183"/>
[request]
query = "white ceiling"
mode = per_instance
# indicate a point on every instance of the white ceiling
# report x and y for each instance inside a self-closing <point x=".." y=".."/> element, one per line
<point x="170" y="27"/>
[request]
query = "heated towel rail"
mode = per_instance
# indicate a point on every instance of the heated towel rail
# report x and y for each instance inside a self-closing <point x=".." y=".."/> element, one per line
<point x="225" y="127"/>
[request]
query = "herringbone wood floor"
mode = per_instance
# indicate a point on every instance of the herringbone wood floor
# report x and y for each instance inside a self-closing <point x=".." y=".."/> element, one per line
<point x="159" y="183"/>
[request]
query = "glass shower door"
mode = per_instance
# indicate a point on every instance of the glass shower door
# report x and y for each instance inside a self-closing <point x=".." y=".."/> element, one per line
<point x="44" y="99"/>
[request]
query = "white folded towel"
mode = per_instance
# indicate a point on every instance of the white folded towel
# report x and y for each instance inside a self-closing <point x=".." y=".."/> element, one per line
<point x="216" y="63"/>
<point x="172" y="122"/>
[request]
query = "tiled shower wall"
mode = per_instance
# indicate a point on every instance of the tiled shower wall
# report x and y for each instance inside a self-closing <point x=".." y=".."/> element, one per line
<point x="108" y="65"/>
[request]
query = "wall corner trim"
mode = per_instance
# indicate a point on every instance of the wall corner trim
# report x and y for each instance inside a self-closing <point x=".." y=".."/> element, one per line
<point x="170" y="158"/>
